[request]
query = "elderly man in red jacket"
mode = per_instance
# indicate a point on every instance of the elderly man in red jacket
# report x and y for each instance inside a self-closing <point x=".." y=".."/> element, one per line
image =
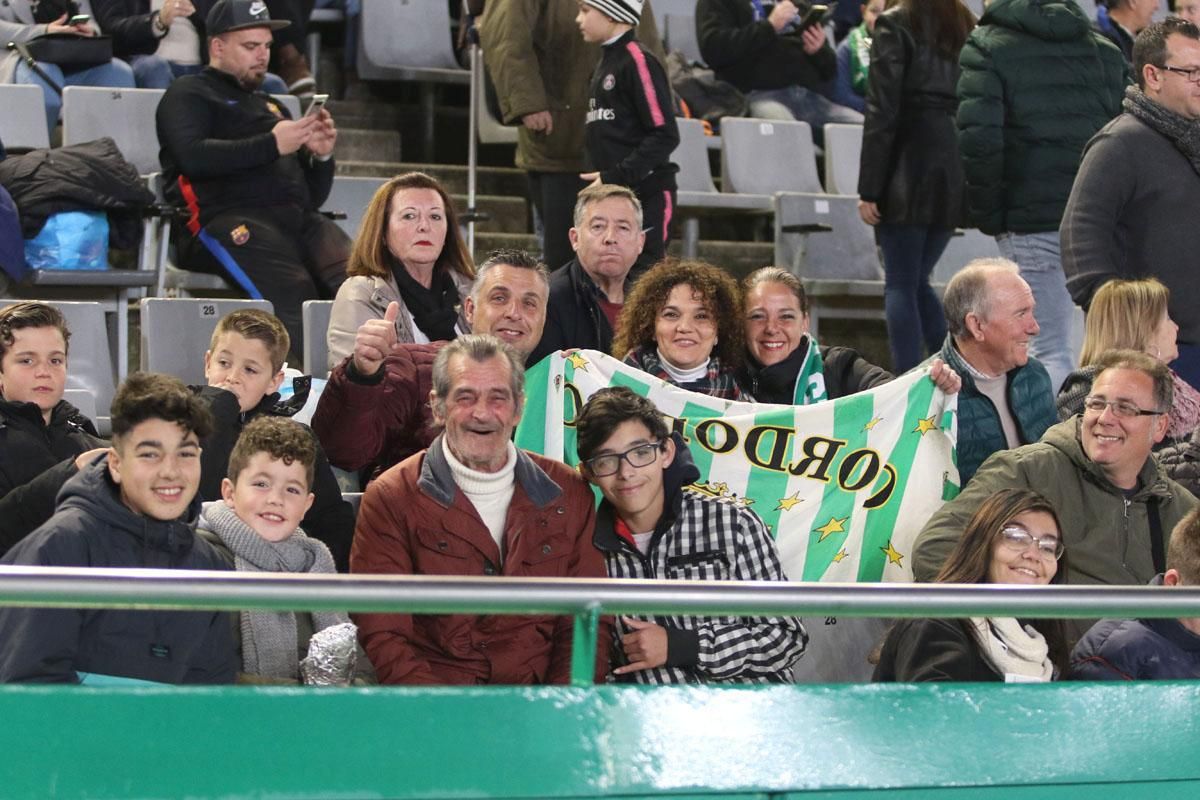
<point x="473" y="504"/>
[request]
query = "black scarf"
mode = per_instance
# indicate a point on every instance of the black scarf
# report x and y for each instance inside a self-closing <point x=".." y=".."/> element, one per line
<point x="1184" y="133"/>
<point x="434" y="310"/>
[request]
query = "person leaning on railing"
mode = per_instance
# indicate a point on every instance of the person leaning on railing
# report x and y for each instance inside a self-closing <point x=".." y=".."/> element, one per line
<point x="1014" y="537"/>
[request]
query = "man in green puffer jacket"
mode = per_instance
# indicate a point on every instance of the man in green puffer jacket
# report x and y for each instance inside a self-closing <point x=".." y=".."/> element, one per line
<point x="1097" y="472"/>
<point x="1037" y="83"/>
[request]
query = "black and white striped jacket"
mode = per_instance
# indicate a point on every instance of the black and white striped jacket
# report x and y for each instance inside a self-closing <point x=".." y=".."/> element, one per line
<point x="705" y="538"/>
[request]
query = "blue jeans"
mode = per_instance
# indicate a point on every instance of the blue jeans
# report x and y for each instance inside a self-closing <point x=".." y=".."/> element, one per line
<point x="802" y="105"/>
<point x="916" y="324"/>
<point x="1038" y="256"/>
<point x="115" y="73"/>
<point x="155" y="72"/>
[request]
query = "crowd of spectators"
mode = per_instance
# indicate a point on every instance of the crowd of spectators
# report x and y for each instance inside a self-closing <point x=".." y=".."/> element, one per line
<point x="429" y="350"/>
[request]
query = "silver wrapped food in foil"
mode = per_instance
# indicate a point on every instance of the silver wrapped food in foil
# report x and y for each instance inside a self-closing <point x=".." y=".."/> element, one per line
<point x="332" y="656"/>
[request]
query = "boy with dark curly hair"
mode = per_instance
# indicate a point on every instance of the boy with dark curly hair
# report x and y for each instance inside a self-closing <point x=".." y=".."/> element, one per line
<point x="132" y="508"/>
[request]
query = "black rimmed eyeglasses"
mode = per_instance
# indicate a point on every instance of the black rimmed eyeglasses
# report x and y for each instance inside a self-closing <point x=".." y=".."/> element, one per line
<point x="641" y="455"/>
<point x="1191" y="73"/>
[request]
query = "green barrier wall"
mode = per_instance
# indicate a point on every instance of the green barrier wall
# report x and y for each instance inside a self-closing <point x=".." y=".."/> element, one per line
<point x="1118" y="740"/>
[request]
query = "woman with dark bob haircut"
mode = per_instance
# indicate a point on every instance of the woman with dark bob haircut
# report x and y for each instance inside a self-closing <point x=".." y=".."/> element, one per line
<point x="1014" y="537"/>
<point x="683" y="323"/>
<point x="409" y="251"/>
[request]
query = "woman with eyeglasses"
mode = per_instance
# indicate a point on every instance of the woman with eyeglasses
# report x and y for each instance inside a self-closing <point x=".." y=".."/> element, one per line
<point x="1131" y="315"/>
<point x="1014" y="538"/>
<point x="683" y="323"/>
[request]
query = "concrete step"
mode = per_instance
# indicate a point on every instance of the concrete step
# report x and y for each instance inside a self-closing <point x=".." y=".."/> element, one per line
<point x="367" y="114"/>
<point x="507" y="214"/>
<point x="356" y="144"/>
<point x="491" y="180"/>
<point x="739" y="258"/>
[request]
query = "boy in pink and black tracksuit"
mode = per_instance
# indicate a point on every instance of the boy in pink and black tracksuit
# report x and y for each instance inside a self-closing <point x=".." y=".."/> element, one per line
<point x="631" y="128"/>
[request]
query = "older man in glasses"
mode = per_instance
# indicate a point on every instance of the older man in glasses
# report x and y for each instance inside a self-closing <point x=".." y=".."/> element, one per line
<point x="1117" y="506"/>
<point x="650" y="526"/>
<point x="1129" y="211"/>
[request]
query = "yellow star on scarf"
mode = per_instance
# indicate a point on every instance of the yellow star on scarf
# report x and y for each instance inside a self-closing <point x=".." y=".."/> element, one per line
<point x="841" y="554"/>
<point x="892" y="553"/>
<point x="871" y="425"/>
<point x="577" y="361"/>
<point x="788" y="503"/>
<point x="924" y="426"/>
<point x="834" y="525"/>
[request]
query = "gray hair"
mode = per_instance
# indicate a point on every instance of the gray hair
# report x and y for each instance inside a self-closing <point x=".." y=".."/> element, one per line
<point x="508" y="258"/>
<point x="1152" y="368"/>
<point x="479" y="347"/>
<point x="601" y="192"/>
<point x="967" y="292"/>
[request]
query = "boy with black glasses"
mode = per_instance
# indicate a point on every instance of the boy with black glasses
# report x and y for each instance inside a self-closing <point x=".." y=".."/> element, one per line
<point x="650" y="526"/>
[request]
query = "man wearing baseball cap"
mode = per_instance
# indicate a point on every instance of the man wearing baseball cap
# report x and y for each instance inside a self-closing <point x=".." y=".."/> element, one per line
<point x="251" y="178"/>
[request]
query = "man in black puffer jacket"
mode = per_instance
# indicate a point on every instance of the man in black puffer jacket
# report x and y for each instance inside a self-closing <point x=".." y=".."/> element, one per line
<point x="132" y="508"/>
<point x="1036" y="84"/>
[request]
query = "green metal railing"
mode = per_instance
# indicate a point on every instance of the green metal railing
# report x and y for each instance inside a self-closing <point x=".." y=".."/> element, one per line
<point x="585" y="600"/>
<point x="835" y="742"/>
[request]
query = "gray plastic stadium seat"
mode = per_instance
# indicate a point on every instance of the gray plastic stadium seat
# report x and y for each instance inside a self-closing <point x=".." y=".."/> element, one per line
<point x="351" y="195"/>
<point x="848" y="253"/>
<point x="407" y="40"/>
<point x="410" y="40"/>
<point x="176" y="332"/>
<point x="697" y="195"/>
<point x="843" y="151"/>
<point x="490" y="130"/>
<point x="679" y="33"/>
<point x="965" y="246"/>
<point x="125" y="115"/>
<point x="760" y="156"/>
<point x="779" y="158"/>
<point x="90" y="366"/>
<point x="23" y="123"/>
<point x="664" y="7"/>
<point x="314" y="316"/>
<point x="290" y="102"/>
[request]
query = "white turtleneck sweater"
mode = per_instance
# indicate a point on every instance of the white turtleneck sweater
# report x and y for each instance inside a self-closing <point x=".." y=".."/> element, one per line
<point x="489" y="492"/>
<point x="680" y="375"/>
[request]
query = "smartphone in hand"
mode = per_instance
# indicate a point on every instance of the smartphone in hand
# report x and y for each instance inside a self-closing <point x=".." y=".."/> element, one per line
<point x="318" y="102"/>
<point x="815" y="15"/>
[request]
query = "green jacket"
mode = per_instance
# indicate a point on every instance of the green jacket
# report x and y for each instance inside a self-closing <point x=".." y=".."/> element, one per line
<point x="538" y="61"/>
<point x="1107" y="537"/>
<point x="1036" y="84"/>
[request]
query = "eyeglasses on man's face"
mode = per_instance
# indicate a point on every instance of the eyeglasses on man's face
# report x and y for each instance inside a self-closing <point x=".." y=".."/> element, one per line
<point x="1122" y="408"/>
<point x="642" y="455"/>
<point x="1190" y="73"/>
<point x="1017" y="538"/>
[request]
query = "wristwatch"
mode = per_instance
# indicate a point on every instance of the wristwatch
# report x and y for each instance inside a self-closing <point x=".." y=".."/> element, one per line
<point x="156" y="23"/>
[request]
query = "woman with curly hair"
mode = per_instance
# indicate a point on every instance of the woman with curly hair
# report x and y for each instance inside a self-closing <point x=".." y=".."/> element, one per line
<point x="683" y="323"/>
<point x="409" y="250"/>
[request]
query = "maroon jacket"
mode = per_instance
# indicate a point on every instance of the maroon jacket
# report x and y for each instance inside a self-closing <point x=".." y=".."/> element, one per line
<point x="415" y="521"/>
<point x="380" y="419"/>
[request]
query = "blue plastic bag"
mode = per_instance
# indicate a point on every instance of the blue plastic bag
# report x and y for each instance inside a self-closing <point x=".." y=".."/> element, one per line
<point x="70" y="240"/>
